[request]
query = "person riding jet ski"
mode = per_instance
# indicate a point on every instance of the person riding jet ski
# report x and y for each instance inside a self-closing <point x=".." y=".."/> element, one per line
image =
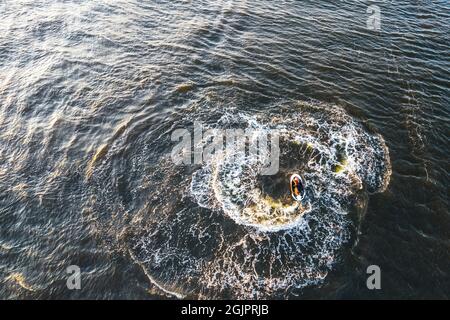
<point x="297" y="187"/>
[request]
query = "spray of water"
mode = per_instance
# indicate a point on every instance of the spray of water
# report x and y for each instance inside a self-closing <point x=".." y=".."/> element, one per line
<point x="237" y="233"/>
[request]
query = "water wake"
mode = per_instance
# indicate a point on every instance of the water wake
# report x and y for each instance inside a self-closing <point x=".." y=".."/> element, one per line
<point x="232" y="232"/>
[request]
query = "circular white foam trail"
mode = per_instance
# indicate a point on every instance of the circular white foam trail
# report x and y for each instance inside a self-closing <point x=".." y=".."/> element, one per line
<point x="332" y="151"/>
<point x="239" y="234"/>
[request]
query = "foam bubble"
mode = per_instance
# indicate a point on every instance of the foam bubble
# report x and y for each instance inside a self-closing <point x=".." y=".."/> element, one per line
<point x="236" y="233"/>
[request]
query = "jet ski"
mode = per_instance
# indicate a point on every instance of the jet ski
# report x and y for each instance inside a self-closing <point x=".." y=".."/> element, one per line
<point x="297" y="185"/>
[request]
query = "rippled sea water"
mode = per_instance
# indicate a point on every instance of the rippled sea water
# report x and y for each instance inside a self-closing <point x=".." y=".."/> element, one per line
<point x="91" y="91"/>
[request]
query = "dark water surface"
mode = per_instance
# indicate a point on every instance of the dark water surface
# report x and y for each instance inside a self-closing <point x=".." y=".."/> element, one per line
<point x="90" y="92"/>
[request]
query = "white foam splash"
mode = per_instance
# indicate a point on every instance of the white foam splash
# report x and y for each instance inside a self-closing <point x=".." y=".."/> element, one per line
<point x="235" y="241"/>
